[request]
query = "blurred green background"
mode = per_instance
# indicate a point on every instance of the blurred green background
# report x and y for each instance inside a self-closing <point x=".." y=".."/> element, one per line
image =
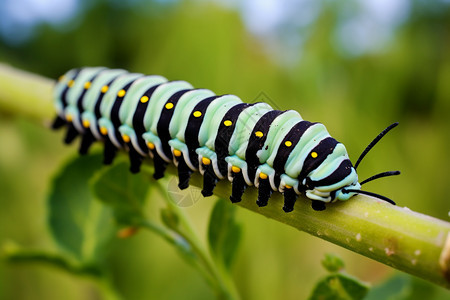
<point x="355" y="66"/>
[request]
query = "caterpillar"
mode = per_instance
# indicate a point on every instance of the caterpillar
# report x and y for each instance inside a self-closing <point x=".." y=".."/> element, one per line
<point x="218" y="135"/>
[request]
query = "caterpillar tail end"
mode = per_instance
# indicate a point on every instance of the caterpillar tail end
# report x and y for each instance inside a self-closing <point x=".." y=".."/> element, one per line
<point x="264" y="192"/>
<point x="289" y="199"/>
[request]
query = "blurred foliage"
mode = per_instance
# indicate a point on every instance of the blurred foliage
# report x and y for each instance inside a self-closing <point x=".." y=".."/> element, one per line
<point x="208" y="45"/>
<point x="338" y="285"/>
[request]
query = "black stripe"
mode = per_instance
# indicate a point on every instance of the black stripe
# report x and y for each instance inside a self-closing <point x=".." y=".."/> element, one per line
<point x="256" y="143"/>
<point x="284" y="151"/>
<point x="97" y="111"/>
<point x="66" y="89"/>
<point x="138" y="117"/>
<point x="344" y="169"/>
<point x="225" y="133"/>
<point x="323" y="149"/>
<point x="193" y="128"/>
<point x="164" y="121"/>
<point x="80" y="99"/>
<point x="114" y="114"/>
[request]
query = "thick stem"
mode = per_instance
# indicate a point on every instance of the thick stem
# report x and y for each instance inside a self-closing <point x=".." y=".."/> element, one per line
<point x="406" y="240"/>
<point x="25" y="94"/>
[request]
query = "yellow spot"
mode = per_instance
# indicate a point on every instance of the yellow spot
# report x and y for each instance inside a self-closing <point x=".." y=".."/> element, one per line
<point x="170" y="105"/>
<point x="177" y="153"/>
<point x="61" y="78"/>
<point x="197" y="114"/>
<point x="69" y="118"/>
<point x="288" y="143"/>
<point x="206" y="161"/>
<point x="150" y="145"/>
<point x="126" y="138"/>
<point x="71" y="83"/>
<point x="104" y="89"/>
<point x="263" y="175"/>
<point x="314" y="154"/>
<point x="86" y="123"/>
<point x="87" y="85"/>
<point x="144" y="99"/>
<point x="235" y="169"/>
<point x="288" y="186"/>
<point x="227" y="123"/>
<point x="121" y="93"/>
<point x="103" y="130"/>
<point x="259" y="134"/>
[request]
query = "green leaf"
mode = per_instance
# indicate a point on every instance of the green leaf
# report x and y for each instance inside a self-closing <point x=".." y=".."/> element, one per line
<point x="224" y="233"/>
<point x="15" y="254"/>
<point x="339" y="286"/>
<point x="405" y="287"/>
<point x="397" y="287"/>
<point x="333" y="263"/>
<point x="123" y="191"/>
<point x="170" y="218"/>
<point x="79" y="223"/>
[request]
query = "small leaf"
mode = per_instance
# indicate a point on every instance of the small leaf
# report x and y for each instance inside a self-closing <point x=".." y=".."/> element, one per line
<point x="405" y="287"/>
<point x="79" y="223"/>
<point x="123" y="191"/>
<point x="339" y="287"/>
<point x="396" y="287"/>
<point x="224" y="233"/>
<point x="170" y="218"/>
<point x="333" y="263"/>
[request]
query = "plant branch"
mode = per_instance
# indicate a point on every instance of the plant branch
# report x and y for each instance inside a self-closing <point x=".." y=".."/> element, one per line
<point x="221" y="280"/>
<point x="403" y="239"/>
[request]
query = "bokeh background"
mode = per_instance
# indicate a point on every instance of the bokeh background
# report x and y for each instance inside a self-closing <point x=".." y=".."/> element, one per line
<point x="355" y="66"/>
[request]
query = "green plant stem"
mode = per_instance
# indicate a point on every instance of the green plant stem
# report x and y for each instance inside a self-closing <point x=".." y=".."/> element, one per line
<point x="222" y="280"/>
<point x="406" y="240"/>
<point x="25" y="94"/>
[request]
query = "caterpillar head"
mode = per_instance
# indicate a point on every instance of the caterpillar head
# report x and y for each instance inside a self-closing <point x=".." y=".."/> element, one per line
<point x="334" y="177"/>
<point x="332" y="173"/>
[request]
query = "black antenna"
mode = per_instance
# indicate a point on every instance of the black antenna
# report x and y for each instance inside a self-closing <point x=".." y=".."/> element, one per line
<point x="374" y="142"/>
<point x="369" y="194"/>
<point x="380" y="175"/>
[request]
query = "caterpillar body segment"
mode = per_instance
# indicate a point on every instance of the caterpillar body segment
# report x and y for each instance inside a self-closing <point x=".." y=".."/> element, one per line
<point x="217" y="135"/>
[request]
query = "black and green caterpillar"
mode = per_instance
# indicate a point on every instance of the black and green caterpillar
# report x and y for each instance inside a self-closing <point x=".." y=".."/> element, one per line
<point x="219" y="136"/>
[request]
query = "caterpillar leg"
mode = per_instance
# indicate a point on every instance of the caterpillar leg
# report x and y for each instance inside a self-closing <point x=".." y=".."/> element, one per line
<point x="264" y="192"/>
<point x="86" y="141"/>
<point x="160" y="165"/>
<point x="135" y="159"/>
<point x="71" y="134"/>
<point x="209" y="181"/>
<point x="109" y="152"/>
<point x="58" y="122"/>
<point x="318" y="205"/>
<point x="238" y="187"/>
<point x="184" y="173"/>
<point x="289" y="199"/>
